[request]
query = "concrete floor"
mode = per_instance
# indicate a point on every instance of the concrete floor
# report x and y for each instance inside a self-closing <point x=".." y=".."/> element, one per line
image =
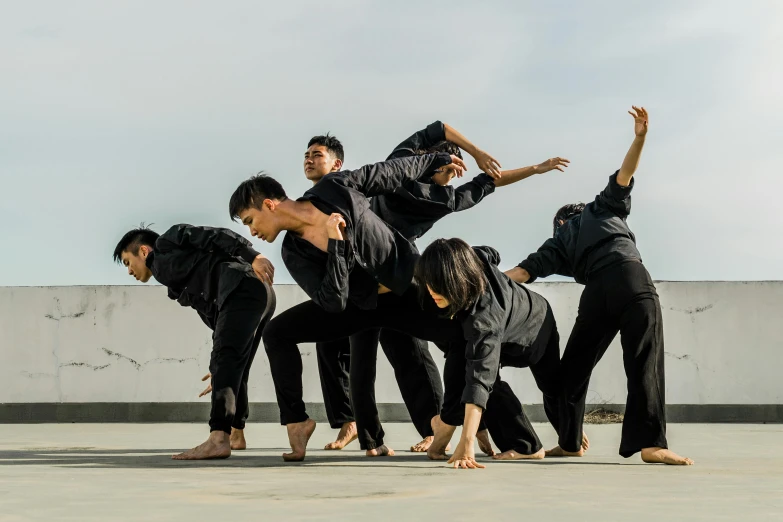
<point x="123" y="472"/>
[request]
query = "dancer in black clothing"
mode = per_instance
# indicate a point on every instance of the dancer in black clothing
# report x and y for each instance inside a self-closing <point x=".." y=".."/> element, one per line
<point x="217" y="273"/>
<point x="504" y="324"/>
<point x="412" y="210"/>
<point x="593" y="244"/>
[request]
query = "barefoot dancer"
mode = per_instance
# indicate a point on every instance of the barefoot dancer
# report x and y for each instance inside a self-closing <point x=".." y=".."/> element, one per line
<point x="217" y="273"/>
<point x="412" y="215"/>
<point x="343" y="256"/>
<point x="415" y="371"/>
<point x="593" y="244"/>
<point x="504" y="324"/>
<point x="322" y="262"/>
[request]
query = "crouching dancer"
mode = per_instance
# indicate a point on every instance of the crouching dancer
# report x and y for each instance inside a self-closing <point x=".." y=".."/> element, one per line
<point x="217" y="273"/>
<point x="504" y="324"/>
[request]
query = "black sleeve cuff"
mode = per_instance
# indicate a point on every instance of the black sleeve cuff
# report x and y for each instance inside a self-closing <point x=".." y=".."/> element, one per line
<point x="616" y="190"/>
<point x="335" y="246"/>
<point x="441" y="159"/>
<point x="486" y="182"/>
<point x="475" y="394"/>
<point x="249" y="254"/>
<point x="436" y="132"/>
<point x="526" y="265"/>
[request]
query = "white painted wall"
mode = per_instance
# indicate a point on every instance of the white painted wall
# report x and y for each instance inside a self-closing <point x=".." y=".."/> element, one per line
<point x="132" y="344"/>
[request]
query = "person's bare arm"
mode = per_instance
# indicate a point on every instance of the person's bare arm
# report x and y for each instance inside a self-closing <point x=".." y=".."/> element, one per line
<point x="518" y="274"/>
<point x="465" y="456"/>
<point x="484" y="161"/>
<point x="631" y="161"/>
<point x="507" y="177"/>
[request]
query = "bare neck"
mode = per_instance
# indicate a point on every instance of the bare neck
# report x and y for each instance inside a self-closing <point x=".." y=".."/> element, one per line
<point x="299" y="216"/>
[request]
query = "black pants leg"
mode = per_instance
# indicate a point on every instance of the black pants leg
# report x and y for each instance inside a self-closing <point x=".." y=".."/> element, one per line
<point x="307" y="322"/>
<point x="243" y="404"/>
<point x="546" y="371"/>
<point x="638" y="310"/>
<point x="241" y="317"/>
<point x="591" y="336"/>
<point x="417" y="376"/>
<point x="507" y="423"/>
<point x="621" y="298"/>
<point x="334" y="363"/>
<point x="453" y="411"/>
<point x="364" y="359"/>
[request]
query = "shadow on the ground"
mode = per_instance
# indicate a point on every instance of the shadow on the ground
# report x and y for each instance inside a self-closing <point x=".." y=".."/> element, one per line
<point x="161" y="458"/>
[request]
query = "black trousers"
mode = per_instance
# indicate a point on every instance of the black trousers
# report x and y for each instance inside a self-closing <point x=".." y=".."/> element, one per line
<point x="307" y="322"/>
<point x="414" y="369"/>
<point x="504" y="416"/>
<point x="238" y="330"/>
<point x="623" y="299"/>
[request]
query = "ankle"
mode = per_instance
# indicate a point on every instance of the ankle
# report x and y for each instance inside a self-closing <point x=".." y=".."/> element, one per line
<point x="219" y="437"/>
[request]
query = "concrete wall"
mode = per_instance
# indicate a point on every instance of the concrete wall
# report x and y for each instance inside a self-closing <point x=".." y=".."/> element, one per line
<point x="131" y="344"/>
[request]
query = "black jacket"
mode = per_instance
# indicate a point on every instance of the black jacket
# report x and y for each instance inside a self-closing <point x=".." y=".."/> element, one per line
<point x="372" y="253"/>
<point x="201" y="266"/>
<point x="597" y="238"/>
<point x="415" y="206"/>
<point x="500" y="327"/>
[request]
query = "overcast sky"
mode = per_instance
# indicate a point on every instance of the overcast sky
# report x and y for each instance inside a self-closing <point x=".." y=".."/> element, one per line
<point x="113" y="113"/>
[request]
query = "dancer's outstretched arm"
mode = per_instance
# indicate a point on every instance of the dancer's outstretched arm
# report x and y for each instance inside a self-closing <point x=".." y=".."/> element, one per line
<point x="631" y="161"/>
<point x="507" y="177"/>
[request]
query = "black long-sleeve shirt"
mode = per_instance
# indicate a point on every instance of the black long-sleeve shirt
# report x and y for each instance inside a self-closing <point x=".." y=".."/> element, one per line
<point x="201" y="266"/>
<point x="597" y="238"/>
<point x="501" y="326"/>
<point x="382" y="254"/>
<point x="415" y="206"/>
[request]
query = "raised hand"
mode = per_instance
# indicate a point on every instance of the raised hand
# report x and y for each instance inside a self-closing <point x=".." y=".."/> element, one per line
<point x="552" y="164"/>
<point x="641" y="120"/>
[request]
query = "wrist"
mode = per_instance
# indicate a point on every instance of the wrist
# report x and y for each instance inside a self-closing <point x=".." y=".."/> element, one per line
<point x="468" y="438"/>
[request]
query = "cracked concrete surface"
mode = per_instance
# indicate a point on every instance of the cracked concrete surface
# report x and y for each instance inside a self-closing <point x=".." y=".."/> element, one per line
<point x="157" y="351"/>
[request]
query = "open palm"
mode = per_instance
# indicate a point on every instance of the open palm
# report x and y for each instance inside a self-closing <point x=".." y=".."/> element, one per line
<point x="640" y="120"/>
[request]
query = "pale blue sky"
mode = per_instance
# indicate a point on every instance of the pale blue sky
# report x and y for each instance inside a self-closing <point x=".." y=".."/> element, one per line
<point x="113" y="113"/>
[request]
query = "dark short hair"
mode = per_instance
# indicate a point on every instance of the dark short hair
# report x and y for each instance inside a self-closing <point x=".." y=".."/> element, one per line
<point x="331" y="143"/>
<point x="452" y="269"/>
<point x="133" y="240"/>
<point x="252" y="192"/>
<point x="565" y="213"/>
<point x="442" y="146"/>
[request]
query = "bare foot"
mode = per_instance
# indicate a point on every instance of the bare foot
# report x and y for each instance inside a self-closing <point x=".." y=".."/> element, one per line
<point x="423" y="446"/>
<point x="298" y="435"/>
<point x="557" y="451"/>
<point x="380" y="451"/>
<point x="347" y="435"/>
<point x="440" y="442"/>
<point x="237" y="439"/>
<point x="664" y="456"/>
<point x="216" y="447"/>
<point x="513" y="455"/>
<point x="585" y="442"/>
<point x="483" y="442"/>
